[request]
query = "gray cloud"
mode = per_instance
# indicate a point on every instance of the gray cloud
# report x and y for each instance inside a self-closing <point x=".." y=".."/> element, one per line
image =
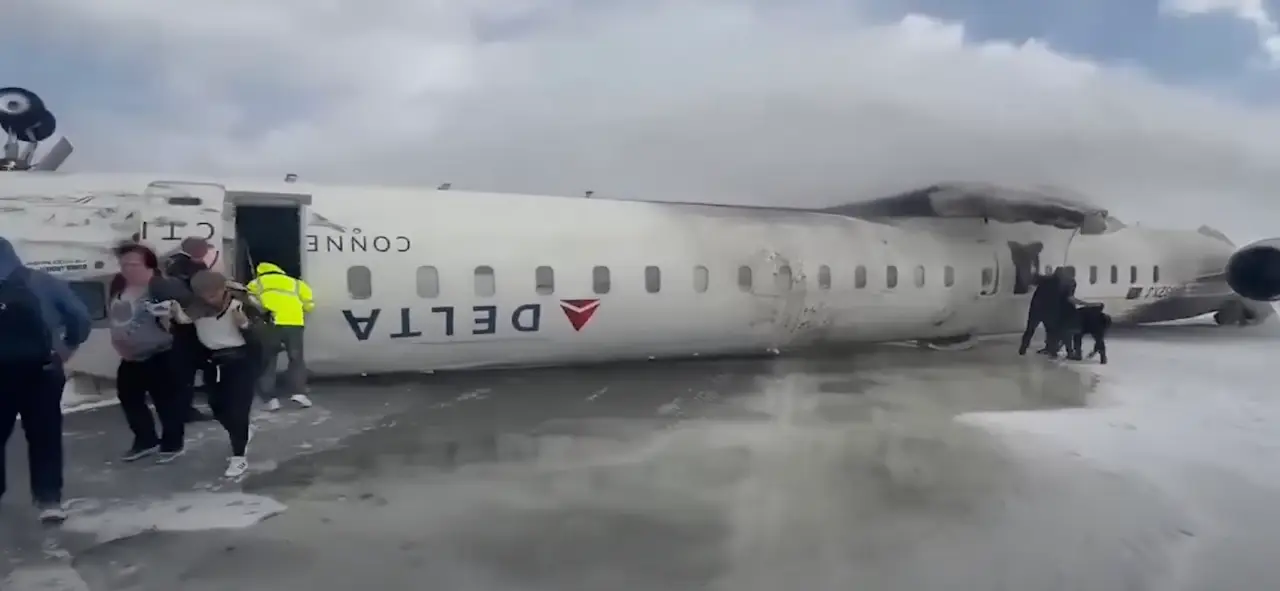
<point x="725" y="101"/>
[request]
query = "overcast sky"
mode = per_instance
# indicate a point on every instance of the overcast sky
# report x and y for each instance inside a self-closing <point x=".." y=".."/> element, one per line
<point x="1168" y="113"/>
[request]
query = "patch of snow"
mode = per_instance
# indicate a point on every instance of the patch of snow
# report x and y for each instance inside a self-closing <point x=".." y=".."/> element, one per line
<point x="1191" y="409"/>
<point x="81" y="394"/>
<point x="197" y="511"/>
<point x="51" y="577"/>
<point x="1183" y="400"/>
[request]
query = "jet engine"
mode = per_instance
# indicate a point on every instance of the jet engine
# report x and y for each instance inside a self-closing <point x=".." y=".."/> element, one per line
<point x="1253" y="272"/>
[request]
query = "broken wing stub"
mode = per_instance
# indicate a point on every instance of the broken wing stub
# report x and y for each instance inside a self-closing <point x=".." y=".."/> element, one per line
<point x="1044" y="206"/>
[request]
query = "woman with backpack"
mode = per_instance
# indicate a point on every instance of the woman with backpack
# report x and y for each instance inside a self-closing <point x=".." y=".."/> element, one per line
<point x="140" y="300"/>
<point x="227" y="321"/>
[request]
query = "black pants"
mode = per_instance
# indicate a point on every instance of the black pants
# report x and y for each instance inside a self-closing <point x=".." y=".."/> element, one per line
<point x="1099" y="346"/>
<point x="34" y="392"/>
<point x="190" y="357"/>
<point x="158" y="378"/>
<point x="1035" y="321"/>
<point x="231" y="398"/>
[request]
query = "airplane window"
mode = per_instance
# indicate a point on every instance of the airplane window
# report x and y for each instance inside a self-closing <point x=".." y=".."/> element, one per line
<point x="600" y="281"/>
<point x="652" y="279"/>
<point x="701" y="279"/>
<point x="359" y="282"/>
<point x="783" y="278"/>
<point x="1071" y="269"/>
<point x="1133" y="274"/>
<point x="891" y="276"/>
<point x="988" y="277"/>
<point x="1093" y="273"/>
<point x="860" y="277"/>
<point x="485" y="286"/>
<point x="94" y="296"/>
<point x="428" y="282"/>
<point x="824" y="277"/>
<point x="919" y="275"/>
<point x="1155" y="274"/>
<point x="744" y="278"/>
<point x="1115" y="274"/>
<point x="544" y="280"/>
<point x="949" y="276"/>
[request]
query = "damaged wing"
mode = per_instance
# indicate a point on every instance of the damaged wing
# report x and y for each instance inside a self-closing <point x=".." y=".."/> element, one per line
<point x="1049" y="207"/>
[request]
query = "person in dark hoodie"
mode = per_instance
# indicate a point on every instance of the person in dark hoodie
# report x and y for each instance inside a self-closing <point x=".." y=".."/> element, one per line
<point x="1044" y="310"/>
<point x="1068" y="316"/>
<point x="191" y="355"/>
<point x="42" y="323"/>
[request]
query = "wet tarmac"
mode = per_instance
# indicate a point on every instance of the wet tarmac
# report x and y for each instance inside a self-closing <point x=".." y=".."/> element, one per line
<point x="846" y="472"/>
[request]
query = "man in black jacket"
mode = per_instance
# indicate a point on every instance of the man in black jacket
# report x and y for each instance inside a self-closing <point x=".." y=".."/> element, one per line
<point x="1068" y="315"/>
<point x="182" y="266"/>
<point x="1044" y="310"/>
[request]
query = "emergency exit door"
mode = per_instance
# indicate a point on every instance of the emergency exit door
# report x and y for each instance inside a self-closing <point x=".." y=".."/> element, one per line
<point x="175" y="210"/>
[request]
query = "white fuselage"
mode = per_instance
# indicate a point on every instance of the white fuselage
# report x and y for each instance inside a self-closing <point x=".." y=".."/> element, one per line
<point x="414" y="279"/>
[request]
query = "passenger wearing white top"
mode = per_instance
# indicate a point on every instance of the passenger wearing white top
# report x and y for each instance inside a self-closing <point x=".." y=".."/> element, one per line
<point x="222" y="323"/>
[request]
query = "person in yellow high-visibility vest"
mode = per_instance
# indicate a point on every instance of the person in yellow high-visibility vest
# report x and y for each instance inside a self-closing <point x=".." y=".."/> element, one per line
<point x="289" y="300"/>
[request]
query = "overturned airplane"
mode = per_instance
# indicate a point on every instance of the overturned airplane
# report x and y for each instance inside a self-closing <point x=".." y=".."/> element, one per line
<point x="430" y="278"/>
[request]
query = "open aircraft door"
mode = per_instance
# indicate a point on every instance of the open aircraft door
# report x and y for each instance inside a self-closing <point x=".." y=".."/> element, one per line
<point x="176" y="210"/>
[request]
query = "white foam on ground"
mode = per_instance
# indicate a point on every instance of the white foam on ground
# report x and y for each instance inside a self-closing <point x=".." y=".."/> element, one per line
<point x="183" y="512"/>
<point x="113" y="521"/>
<point x="74" y="400"/>
<point x="1210" y="403"/>
<point x="1194" y="411"/>
<point x="50" y="577"/>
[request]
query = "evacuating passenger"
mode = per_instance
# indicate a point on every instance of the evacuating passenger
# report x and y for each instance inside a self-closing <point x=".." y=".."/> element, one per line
<point x="190" y="355"/>
<point x="1095" y="323"/>
<point x="1043" y="311"/>
<point x="139" y="313"/>
<point x="1068" y="320"/>
<point x="223" y="324"/>
<point x="42" y="323"/>
<point x="289" y="301"/>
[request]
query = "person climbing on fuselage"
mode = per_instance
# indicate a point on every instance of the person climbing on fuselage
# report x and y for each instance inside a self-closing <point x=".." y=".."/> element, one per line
<point x="1044" y="310"/>
<point x="1068" y="315"/>
<point x="289" y="300"/>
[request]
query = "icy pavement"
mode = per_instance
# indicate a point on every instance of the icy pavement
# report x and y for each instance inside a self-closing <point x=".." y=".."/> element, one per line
<point x="1194" y="411"/>
<point x="830" y="474"/>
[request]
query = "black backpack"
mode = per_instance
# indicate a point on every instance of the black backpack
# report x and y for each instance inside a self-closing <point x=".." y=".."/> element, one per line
<point x="27" y="338"/>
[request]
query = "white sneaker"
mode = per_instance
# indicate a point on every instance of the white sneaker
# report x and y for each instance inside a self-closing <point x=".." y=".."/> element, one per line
<point x="236" y="466"/>
<point x="301" y="400"/>
<point x="273" y="404"/>
<point x="52" y="513"/>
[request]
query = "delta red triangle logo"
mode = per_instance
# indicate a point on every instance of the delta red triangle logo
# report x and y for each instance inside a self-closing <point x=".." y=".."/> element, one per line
<point x="579" y="312"/>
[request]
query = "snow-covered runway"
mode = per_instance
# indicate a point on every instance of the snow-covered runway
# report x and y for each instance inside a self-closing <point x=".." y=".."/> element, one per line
<point x="884" y="469"/>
